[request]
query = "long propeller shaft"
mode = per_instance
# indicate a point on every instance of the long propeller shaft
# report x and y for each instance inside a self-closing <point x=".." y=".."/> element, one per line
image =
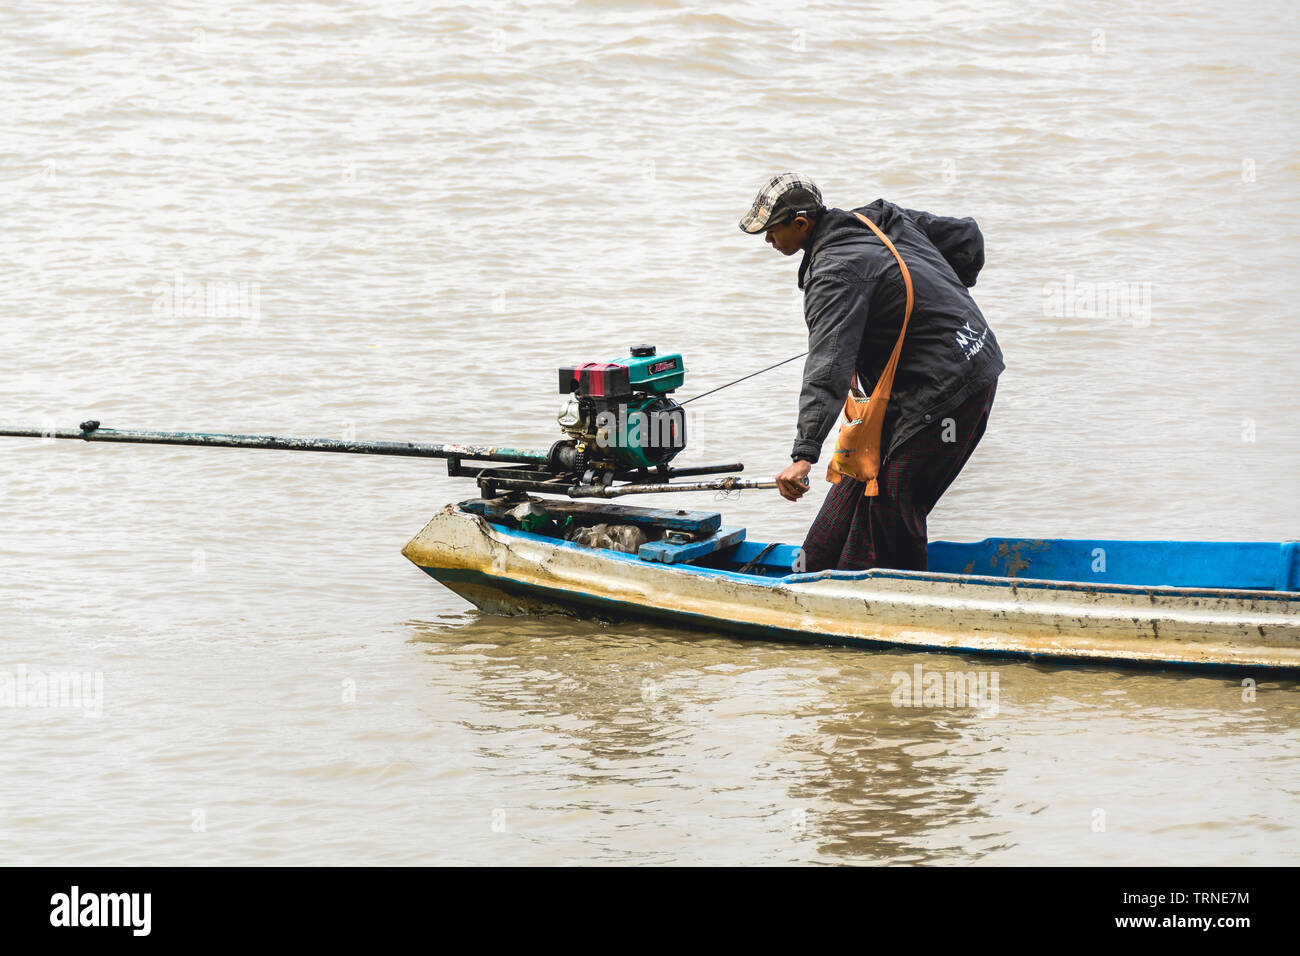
<point x="218" y="440"/>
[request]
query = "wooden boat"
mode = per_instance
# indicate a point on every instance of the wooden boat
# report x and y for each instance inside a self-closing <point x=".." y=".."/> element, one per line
<point x="1163" y="603"/>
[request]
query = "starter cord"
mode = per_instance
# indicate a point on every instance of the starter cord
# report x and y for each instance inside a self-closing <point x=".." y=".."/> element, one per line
<point x="750" y="375"/>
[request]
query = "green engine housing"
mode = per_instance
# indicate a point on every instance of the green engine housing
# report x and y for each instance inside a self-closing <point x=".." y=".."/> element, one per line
<point x="619" y="415"/>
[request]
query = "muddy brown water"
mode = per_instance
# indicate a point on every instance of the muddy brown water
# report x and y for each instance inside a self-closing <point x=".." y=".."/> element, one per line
<point x="424" y="214"/>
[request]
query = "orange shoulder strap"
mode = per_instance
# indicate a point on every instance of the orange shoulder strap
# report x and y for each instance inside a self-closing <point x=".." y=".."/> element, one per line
<point x="857" y="449"/>
<point x="887" y="376"/>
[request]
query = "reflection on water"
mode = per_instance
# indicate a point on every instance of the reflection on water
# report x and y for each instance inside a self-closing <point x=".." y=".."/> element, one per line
<point x="641" y="723"/>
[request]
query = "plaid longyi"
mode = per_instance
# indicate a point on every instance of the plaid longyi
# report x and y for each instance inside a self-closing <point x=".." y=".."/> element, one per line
<point x="853" y="532"/>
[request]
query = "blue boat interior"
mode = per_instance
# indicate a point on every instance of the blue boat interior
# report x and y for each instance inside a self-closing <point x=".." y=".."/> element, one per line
<point x="700" y="539"/>
<point x="1239" y="565"/>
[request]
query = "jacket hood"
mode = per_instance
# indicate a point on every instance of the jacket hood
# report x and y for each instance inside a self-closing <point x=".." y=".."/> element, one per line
<point x="837" y="225"/>
<point x="959" y="241"/>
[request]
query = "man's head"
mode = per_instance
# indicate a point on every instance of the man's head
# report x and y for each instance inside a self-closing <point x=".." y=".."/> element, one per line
<point x="786" y="209"/>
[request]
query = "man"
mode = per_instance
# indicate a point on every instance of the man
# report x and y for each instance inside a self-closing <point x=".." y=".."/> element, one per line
<point x="854" y="301"/>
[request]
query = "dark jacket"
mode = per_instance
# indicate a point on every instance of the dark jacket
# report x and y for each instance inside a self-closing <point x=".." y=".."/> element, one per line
<point x="853" y="303"/>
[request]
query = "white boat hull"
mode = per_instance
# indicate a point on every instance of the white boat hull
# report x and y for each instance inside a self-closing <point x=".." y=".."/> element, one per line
<point x="510" y="571"/>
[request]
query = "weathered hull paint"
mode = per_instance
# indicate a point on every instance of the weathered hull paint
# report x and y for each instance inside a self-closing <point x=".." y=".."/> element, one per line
<point x="510" y="571"/>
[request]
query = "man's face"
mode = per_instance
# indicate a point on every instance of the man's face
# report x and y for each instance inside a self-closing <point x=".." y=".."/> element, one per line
<point x="788" y="238"/>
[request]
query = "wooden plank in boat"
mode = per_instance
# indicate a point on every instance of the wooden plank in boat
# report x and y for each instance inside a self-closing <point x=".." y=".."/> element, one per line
<point x="667" y="552"/>
<point x="698" y="523"/>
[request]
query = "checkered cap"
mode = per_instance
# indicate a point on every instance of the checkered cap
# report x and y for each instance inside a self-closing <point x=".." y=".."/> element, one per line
<point x="783" y="194"/>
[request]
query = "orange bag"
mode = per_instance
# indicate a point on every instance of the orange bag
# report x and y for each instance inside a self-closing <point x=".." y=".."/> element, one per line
<point x="857" y="450"/>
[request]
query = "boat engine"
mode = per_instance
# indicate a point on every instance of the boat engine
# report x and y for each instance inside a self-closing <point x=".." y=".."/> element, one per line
<point x="619" y="417"/>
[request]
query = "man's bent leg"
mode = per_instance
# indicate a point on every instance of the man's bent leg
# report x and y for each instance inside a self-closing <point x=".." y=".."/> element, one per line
<point x="888" y="530"/>
<point x="964" y="426"/>
<point x="830" y="529"/>
<point x="853" y="532"/>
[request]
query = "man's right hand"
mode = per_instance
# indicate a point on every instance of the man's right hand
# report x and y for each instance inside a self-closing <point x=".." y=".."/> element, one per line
<point x="793" y="482"/>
